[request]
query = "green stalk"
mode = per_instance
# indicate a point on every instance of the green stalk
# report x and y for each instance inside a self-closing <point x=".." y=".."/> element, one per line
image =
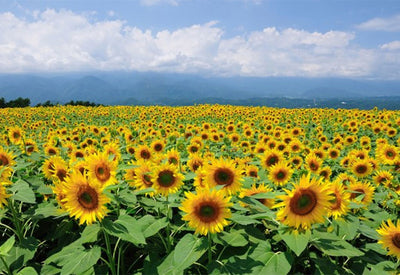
<point x="111" y="260"/>
<point x="16" y="221"/>
<point x="209" y="252"/>
<point x="168" y="230"/>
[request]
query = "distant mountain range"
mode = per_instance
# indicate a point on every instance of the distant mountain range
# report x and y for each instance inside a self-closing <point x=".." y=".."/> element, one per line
<point x="126" y="88"/>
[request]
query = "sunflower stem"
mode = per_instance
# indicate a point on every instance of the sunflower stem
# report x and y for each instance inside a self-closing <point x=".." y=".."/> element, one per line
<point x="16" y="221"/>
<point x="111" y="260"/>
<point x="209" y="252"/>
<point x="168" y="229"/>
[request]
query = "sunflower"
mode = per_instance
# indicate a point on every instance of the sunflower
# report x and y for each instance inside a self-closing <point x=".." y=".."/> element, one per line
<point x="6" y="158"/>
<point x="143" y="178"/>
<point x="304" y="205"/>
<point x="195" y="162"/>
<point x="333" y="153"/>
<point x="313" y="163"/>
<point x="167" y="179"/>
<point x="59" y="190"/>
<point x="199" y="180"/>
<point x="173" y="157"/>
<point x="361" y="168"/>
<point x="296" y="161"/>
<point x="258" y="190"/>
<point x="280" y="173"/>
<point x="361" y="192"/>
<point x="101" y="169"/>
<point x="390" y="237"/>
<point x="340" y="202"/>
<point x="51" y="150"/>
<point x="143" y="152"/>
<point x="84" y="199"/>
<point x="270" y="158"/>
<point x="383" y="177"/>
<point x="59" y="170"/>
<point x="30" y="146"/>
<point x="157" y="146"/>
<point x="49" y="166"/>
<point x="15" y="135"/>
<point x="222" y="172"/>
<point x="325" y="172"/>
<point x="3" y="195"/>
<point x="112" y="149"/>
<point x="387" y="154"/>
<point x="206" y="211"/>
<point x="252" y="171"/>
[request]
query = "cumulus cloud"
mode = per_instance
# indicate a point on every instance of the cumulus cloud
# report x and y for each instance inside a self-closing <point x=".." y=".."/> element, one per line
<point x="391" y="24"/>
<point x="57" y="41"/>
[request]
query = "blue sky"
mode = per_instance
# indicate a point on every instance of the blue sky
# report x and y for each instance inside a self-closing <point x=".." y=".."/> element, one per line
<point x="313" y="38"/>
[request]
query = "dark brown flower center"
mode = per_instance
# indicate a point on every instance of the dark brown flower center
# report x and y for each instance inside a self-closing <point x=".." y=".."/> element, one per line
<point x="207" y="212"/>
<point x="88" y="198"/>
<point x="223" y="176"/>
<point x="271" y="160"/>
<point x="166" y="178"/>
<point x="102" y="172"/>
<point x="303" y="202"/>
<point x="361" y="169"/>
<point x="144" y="154"/>
<point x="61" y="174"/>
<point x="3" y="160"/>
<point x="396" y="240"/>
<point x="147" y="180"/>
<point x="281" y="175"/>
<point x="336" y="202"/>
<point x="158" y="147"/>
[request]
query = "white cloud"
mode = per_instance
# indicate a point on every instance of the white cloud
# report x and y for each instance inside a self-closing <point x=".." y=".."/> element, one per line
<point x="394" y="45"/>
<point x="65" y="41"/>
<point x="391" y="24"/>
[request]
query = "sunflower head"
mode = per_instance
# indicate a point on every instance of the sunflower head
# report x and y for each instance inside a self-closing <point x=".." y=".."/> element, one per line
<point x="280" y="173"/>
<point x="84" y="199"/>
<point x="305" y="204"/>
<point x="206" y="211"/>
<point x="166" y="179"/>
<point x="390" y="237"/>
<point x="223" y="172"/>
<point x="101" y="168"/>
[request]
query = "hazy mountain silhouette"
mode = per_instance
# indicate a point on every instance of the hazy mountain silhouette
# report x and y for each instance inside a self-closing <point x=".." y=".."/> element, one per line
<point x="162" y="88"/>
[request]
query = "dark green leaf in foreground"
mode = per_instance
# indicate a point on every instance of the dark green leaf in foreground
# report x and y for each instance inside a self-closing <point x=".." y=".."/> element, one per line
<point x="296" y="241"/>
<point x="188" y="250"/>
<point x="22" y="192"/>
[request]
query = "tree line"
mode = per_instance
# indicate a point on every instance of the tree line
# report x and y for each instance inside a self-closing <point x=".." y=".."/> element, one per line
<point x="25" y="102"/>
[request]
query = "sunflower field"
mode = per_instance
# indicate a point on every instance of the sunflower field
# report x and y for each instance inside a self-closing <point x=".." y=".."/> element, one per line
<point x="207" y="189"/>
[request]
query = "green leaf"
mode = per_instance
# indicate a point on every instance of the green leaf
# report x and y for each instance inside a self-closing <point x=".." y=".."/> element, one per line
<point x="7" y="245"/>
<point x="27" y="271"/>
<point x="242" y="219"/>
<point x="368" y="231"/>
<point x="82" y="262"/>
<point x="337" y="248"/>
<point x="260" y="252"/>
<point x="150" y="226"/>
<point x="348" y="228"/>
<point x="20" y="254"/>
<point x="89" y="234"/>
<point x="127" y="197"/>
<point x="190" y="176"/>
<point x="22" y="192"/>
<point x="47" y="209"/>
<point x="235" y="238"/>
<point x="75" y="259"/>
<point x="127" y="228"/>
<point x="188" y="250"/>
<point x="276" y="263"/>
<point x="296" y="241"/>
